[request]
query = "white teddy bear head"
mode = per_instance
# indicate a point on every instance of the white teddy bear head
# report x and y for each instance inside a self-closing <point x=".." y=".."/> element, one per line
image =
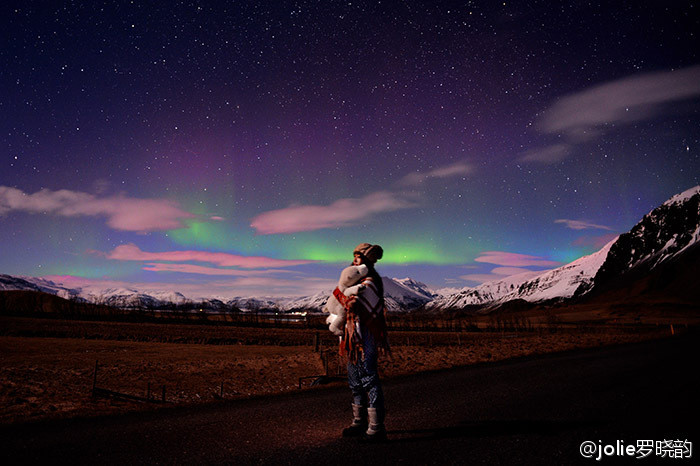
<point x="348" y="285"/>
<point x="351" y="275"/>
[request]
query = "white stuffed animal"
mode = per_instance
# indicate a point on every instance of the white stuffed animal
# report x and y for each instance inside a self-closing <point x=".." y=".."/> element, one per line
<point x="347" y="284"/>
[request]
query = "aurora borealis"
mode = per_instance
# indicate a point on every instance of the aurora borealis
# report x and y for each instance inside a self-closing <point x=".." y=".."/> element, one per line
<point x="245" y="148"/>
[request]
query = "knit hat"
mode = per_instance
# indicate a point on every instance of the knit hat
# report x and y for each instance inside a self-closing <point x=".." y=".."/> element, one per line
<point x="372" y="252"/>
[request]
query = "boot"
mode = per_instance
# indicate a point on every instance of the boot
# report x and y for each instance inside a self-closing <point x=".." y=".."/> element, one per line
<point x="375" y="429"/>
<point x="359" y="422"/>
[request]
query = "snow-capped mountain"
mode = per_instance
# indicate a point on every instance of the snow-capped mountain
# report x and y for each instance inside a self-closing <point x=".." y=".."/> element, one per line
<point x="418" y="287"/>
<point x="314" y="302"/>
<point x="253" y="304"/>
<point x="404" y="294"/>
<point x="663" y="234"/>
<point x="666" y="239"/>
<point x="563" y="282"/>
<point x="127" y="298"/>
<point x="399" y="295"/>
<point x="8" y="282"/>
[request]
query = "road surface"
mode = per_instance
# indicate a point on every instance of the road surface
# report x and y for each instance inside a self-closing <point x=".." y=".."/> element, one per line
<point x="535" y="410"/>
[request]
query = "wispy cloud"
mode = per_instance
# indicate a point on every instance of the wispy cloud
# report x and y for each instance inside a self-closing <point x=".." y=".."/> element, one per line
<point x="499" y="273"/>
<point x="131" y="252"/>
<point x="548" y="154"/>
<point x="122" y="212"/>
<point x="581" y="225"/>
<point x="585" y="115"/>
<point x="622" y="101"/>
<point x="352" y="211"/>
<point x="511" y="259"/>
<point x="461" y="168"/>
<point x="203" y="270"/>
<point x="341" y="213"/>
<point x="596" y="242"/>
<point x="285" y="286"/>
<point x="511" y="264"/>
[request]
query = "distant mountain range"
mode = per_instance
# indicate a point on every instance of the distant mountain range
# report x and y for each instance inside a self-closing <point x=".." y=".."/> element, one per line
<point x="400" y="295"/>
<point x="658" y="255"/>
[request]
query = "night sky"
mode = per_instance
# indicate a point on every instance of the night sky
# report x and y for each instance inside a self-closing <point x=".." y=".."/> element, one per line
<point x="245" y="148"/>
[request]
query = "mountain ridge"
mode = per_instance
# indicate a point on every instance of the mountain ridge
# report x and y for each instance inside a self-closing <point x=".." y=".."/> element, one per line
<point x="654" y="246"/>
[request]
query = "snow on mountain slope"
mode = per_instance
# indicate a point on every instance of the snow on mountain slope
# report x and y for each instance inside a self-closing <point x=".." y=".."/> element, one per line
<point x="169" y="296"/>
<point x="683" y="197"/>
<point x="562" y="282"/>
<point x="399" y="295"/>
<point x="405" y="294"/>
<point x="661" y="235"/>
<point x="664" y="233"/>
<point x="8" y="282"/>
<point x="566" y="281"/>
<point x="314" y="302"/>
<point x="124" y="298"/>
<point x="485" y="293"/>
<point x="415" y="286"/>
<point x="253" y="304"/>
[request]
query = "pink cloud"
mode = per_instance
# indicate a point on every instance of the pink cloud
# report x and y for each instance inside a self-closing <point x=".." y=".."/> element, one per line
<point x="292" y="286"/>
<point x="550" y="154"/>
<point x="595" y="241"/>
<point x="499" y="273"/>
<point x="581" y="225"/>
<point x="511" y="259"/>
<point x="342" y="213"/>
<point x="350" y="211"/>
<point x="197" y="269"/>
<point x="122" y="213"/>
<point x="586" y="115"/>
<point x="509" y="271"/>
<point x="624" y="100"/>
<point x="131" y="252"/>
<point x="455" y="169"/>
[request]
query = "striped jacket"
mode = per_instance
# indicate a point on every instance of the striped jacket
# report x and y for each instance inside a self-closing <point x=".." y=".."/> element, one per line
<point x="367" y="311"/>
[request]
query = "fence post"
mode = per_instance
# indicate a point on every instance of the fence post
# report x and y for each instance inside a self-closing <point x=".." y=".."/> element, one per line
<point x="94" y="379"/>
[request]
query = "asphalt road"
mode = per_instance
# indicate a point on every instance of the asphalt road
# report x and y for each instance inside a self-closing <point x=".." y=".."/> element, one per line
<point x="535" y="410"/>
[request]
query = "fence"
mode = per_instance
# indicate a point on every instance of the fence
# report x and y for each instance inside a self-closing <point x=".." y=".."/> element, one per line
<point x="98" y="392"/>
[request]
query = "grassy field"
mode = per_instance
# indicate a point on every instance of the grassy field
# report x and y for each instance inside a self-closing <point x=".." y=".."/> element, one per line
<point x="47" y="365"/>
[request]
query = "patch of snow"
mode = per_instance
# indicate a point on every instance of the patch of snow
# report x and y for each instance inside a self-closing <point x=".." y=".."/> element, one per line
<point x="684" y="196"/>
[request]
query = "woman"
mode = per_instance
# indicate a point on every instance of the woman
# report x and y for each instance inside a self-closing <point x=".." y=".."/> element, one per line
<point x="365" y="336"/>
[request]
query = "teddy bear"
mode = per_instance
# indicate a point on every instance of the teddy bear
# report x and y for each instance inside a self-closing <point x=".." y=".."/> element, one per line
<point x="348" y="285"/>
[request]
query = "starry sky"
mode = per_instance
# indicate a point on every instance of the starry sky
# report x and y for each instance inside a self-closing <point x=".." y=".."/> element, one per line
<point x="245" y="148"/>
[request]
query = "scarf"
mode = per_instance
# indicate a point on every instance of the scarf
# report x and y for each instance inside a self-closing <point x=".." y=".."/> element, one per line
<point x="368" y="310"/>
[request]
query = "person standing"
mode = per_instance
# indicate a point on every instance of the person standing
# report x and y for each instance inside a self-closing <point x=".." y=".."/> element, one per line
<point x="364" y="338"/>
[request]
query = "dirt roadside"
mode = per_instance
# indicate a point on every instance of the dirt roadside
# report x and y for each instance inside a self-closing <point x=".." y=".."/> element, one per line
<point x="48" y="378"/>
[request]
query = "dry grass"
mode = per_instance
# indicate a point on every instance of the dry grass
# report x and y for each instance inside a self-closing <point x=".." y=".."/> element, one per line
<point x="52" y="377"/>
<point x="45" y="377"/>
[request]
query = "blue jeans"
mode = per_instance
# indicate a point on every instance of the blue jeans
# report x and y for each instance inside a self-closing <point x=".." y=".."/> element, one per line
<point x="363" y="377"/>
